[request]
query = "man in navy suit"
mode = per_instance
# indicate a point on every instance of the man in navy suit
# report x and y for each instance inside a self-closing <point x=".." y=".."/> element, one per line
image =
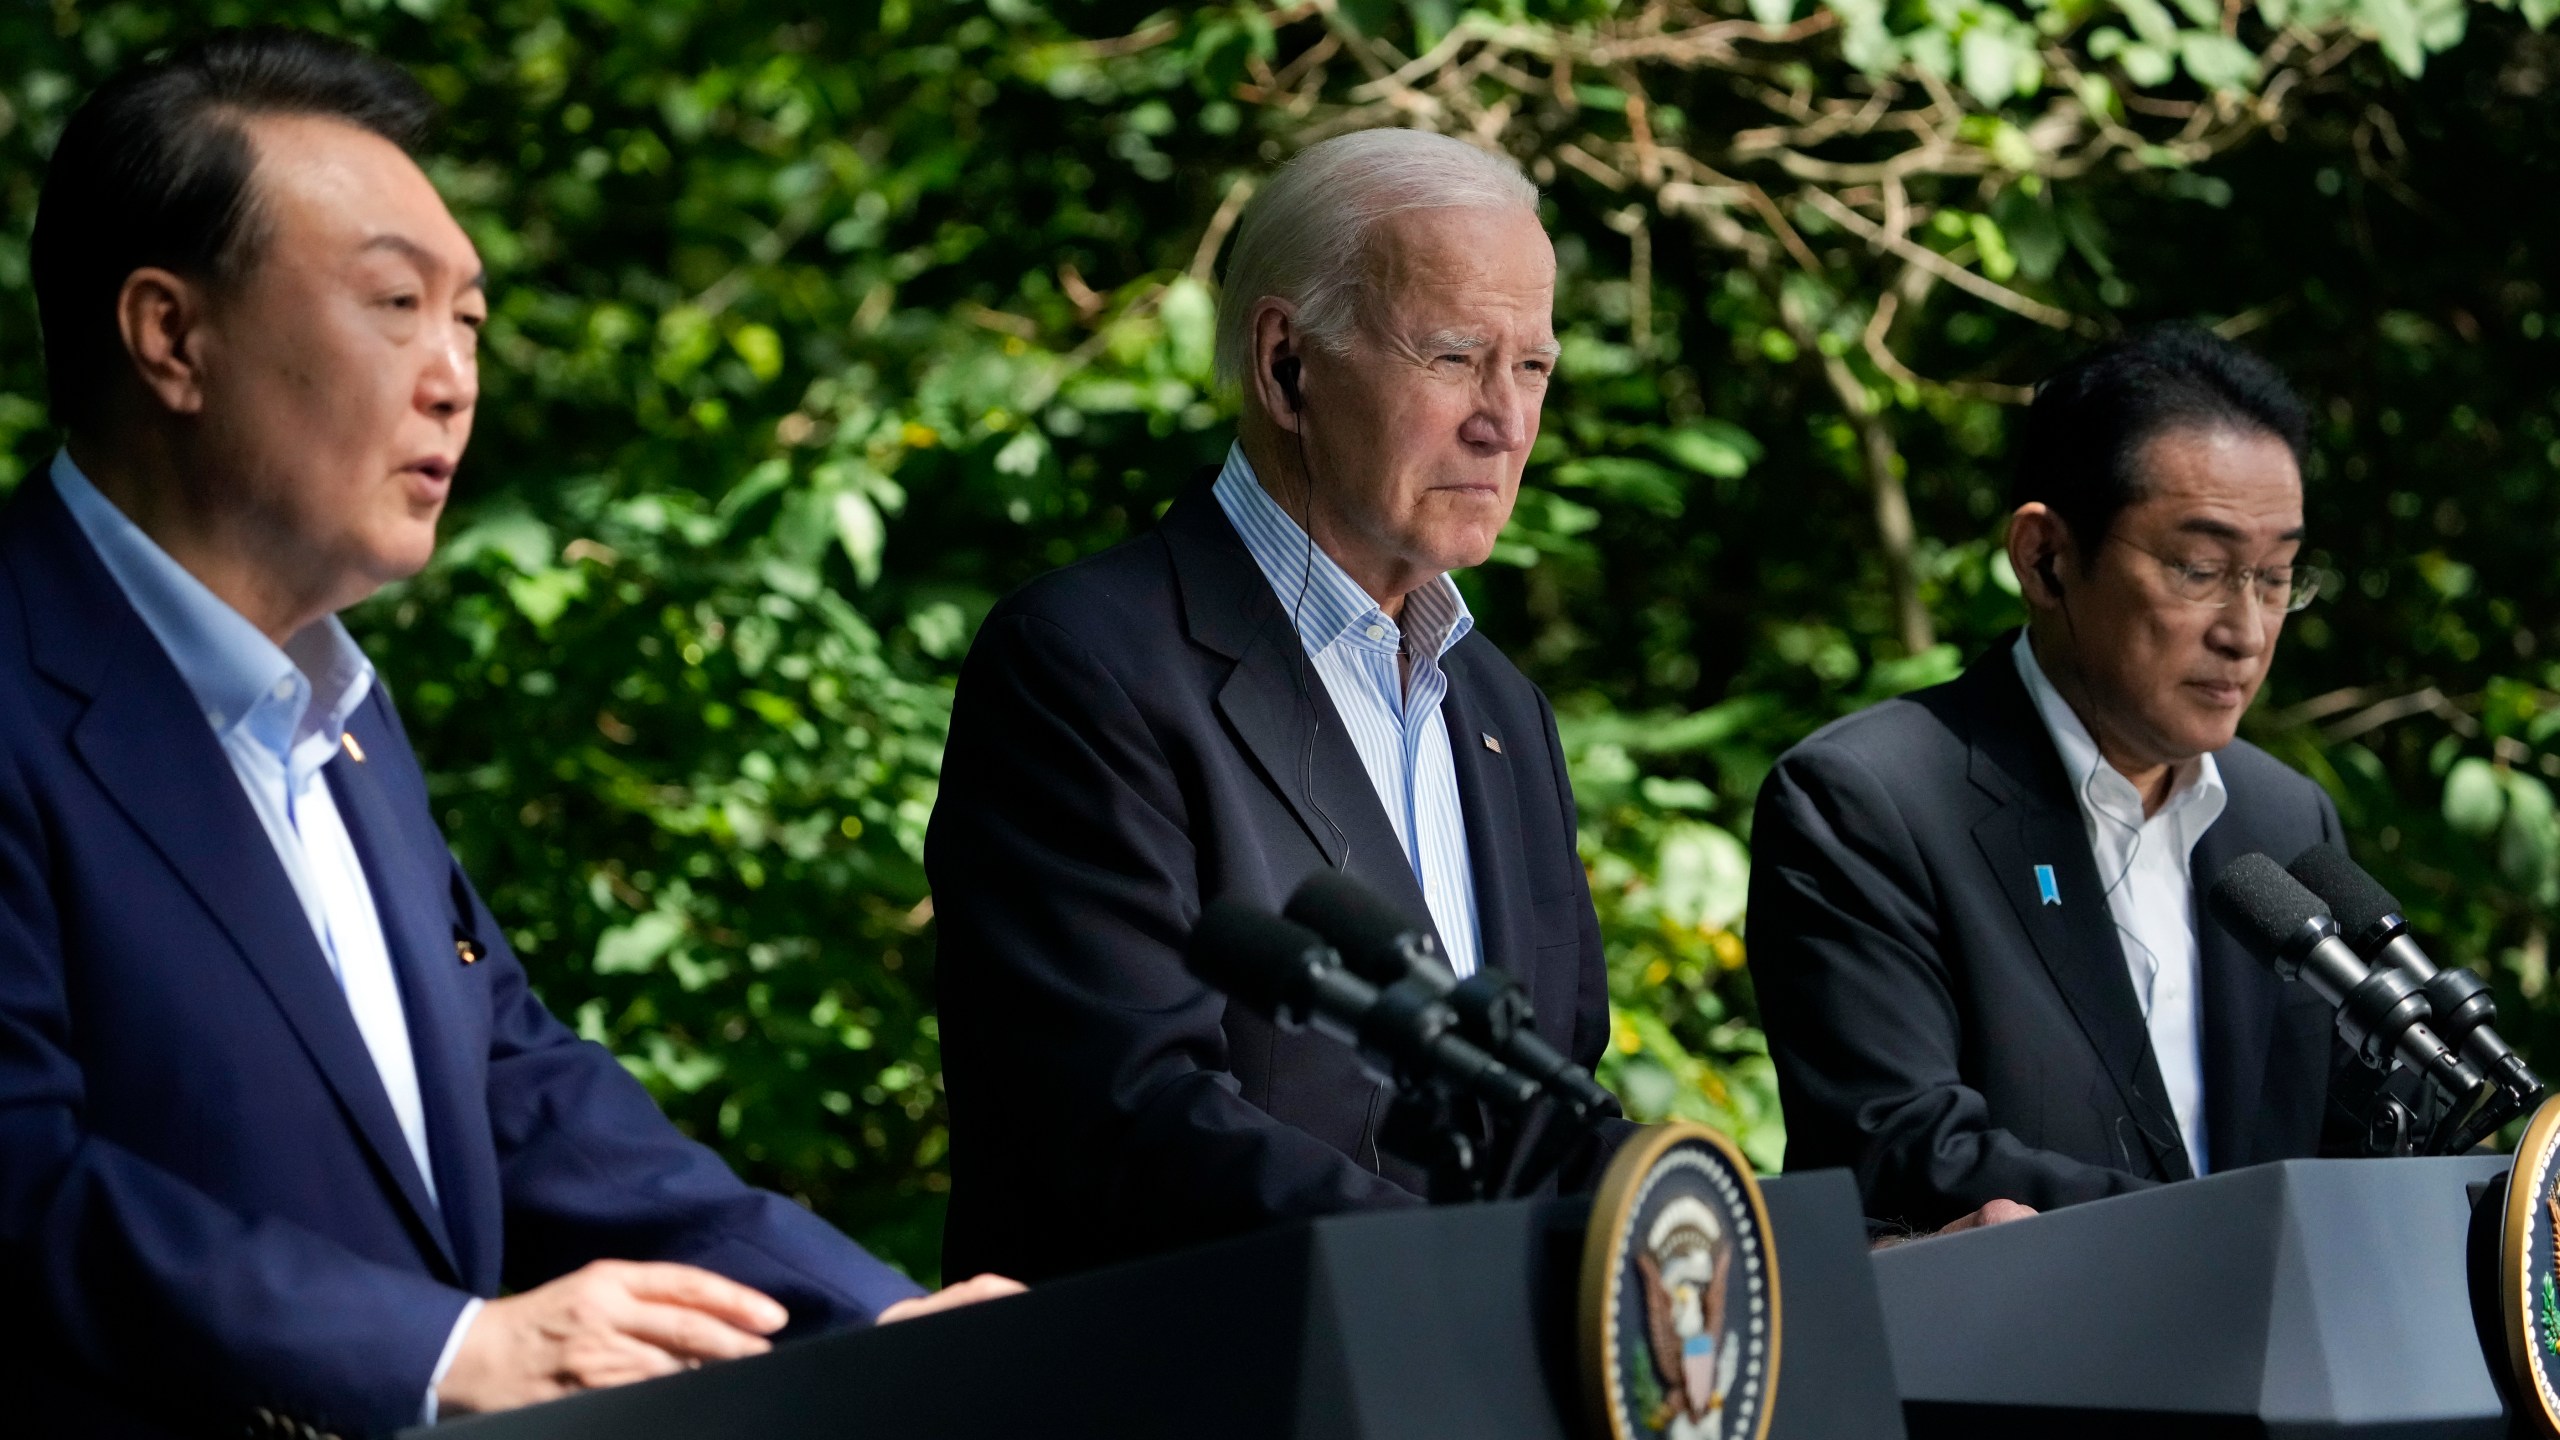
<point x="1280" y="678"/>
<point x="280" y="1120"/>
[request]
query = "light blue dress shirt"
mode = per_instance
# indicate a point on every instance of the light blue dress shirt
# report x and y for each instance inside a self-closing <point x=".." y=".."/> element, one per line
<point x="280" y="714"/>
<point x="1386" y="682"/>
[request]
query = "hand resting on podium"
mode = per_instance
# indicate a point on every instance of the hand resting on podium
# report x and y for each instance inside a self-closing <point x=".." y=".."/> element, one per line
<point x="1998" y="1212"/>
<point x="617" y="1321"/>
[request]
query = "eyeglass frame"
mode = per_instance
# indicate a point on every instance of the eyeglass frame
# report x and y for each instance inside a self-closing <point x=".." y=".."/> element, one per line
<point x="2304" y="586"/>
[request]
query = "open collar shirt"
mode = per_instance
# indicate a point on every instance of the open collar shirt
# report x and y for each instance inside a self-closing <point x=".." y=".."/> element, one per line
<point x="2146" y="864"/>
<point x="1386" y="683"/>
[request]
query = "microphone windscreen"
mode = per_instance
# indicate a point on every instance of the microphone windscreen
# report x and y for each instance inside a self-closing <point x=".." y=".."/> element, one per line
<point x="1258" y="958"/>
<point x="2356" y="898"/>
<point x="1361" y="923"/>
<point x="2261" y="905"/>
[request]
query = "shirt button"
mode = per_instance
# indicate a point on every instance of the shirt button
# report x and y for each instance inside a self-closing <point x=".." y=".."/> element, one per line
<point x="284" y="689"/>
<point x="1377" y="632"/>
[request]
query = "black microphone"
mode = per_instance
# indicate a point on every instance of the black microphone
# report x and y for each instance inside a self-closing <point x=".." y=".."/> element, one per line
<point x="1287" y="972"/>
<point x="2380" y="1011"/>
<point x="1382" y="947"/>
<point x="2370" y="920"/>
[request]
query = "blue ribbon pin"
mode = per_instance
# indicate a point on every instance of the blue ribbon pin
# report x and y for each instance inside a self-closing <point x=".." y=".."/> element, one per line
<point x="2045" y="886"/>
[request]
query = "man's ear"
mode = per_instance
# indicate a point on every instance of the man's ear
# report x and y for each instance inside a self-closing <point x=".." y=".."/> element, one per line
<point x="2041" y="555"/>
<point x="161" y="317"/>
<point x="1277" y="378"/>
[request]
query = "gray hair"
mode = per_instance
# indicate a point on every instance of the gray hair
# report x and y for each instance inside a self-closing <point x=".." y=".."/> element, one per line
<point x="1305" y="237"/>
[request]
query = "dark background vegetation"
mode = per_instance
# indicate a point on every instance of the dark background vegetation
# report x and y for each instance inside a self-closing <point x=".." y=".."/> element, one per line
<point x="818" y="328"/>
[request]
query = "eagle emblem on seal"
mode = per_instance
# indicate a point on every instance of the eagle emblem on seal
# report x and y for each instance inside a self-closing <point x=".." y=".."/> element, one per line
<point x="1687" y="1264"/>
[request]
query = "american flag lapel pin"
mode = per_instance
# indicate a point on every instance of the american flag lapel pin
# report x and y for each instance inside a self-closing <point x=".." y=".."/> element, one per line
<point x="1492" y="744"/>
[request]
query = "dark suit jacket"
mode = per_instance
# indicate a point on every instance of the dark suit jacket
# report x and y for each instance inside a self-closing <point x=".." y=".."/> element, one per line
<point x="1127" y="744"/>
<point x="206" y="1205"/>
<point x="1952" y="1039"/>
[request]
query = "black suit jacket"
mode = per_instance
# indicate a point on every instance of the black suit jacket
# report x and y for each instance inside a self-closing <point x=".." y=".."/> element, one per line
<point x="1130" y="741"/>
<point x="1951" y="1038"/>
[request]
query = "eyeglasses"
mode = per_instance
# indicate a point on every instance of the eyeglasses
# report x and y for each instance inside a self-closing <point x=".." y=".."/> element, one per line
<point x="2282" y="588"/>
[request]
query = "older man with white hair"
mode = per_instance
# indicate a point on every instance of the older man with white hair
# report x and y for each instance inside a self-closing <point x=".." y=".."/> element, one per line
<point x="1281" y="677"/>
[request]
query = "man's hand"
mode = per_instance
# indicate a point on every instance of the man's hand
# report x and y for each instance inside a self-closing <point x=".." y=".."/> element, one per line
<point x="611" y="1323"/>
<point x="952" y="1297"/>
<point x="1998" y="1212"/>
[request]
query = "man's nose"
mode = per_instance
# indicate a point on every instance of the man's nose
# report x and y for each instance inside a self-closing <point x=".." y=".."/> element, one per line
<point x="2244" y="628"/>
<point x="450" y="385"/>
<point x="1502" y="420"/>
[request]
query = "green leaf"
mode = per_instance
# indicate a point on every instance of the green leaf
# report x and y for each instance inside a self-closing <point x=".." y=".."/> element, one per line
<point x="2217" y="62"/>
<point x="860" y="531"/>
<point x="1716" y="448"/>
<point x="1624" y="477"/>
<point x="2395" y="28"/>
<point x="639" y="945"/>
<point x="2474" y="801"/>
<point x="1704" y="875"/>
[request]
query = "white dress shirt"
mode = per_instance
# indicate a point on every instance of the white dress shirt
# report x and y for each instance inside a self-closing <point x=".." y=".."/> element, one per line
<point x="280" y="714"/>
<point x="1386" y="682"/>
<point x="2145" y="862"/>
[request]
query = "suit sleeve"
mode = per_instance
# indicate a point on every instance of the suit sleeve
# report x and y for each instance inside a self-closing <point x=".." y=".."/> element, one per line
<point x="1861" y="1012"/>
<point x="591" y="1169"/>
<point x="1065" y="886"/>
<point x="149" y="1281"/>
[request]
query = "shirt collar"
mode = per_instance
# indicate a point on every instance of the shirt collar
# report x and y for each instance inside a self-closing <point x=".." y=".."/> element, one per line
<point x="1335" y="608"/>
<point x="240" y="679"/>
<point x="2197" y="783"/>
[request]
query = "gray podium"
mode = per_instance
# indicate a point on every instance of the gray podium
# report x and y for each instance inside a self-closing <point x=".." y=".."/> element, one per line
<point x="1444" y="1324"/>
<point x="2309" y="1298"/>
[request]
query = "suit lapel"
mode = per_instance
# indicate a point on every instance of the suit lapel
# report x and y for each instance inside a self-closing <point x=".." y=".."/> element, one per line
<point x="452" y="1058"/>
<point x="1488" y="797"/>
<point x="149" y="749"/>
<point x="161" y="764"/>
<point x="2241" y="999"/>
<point x="2036" y="825"/>
<point x="1277" y="706"/>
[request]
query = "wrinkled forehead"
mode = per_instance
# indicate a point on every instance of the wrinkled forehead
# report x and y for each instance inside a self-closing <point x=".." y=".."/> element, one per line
<point x="326" y="189"/>
<point x="1429" y="269"/>
<point x="2219" y="484"/>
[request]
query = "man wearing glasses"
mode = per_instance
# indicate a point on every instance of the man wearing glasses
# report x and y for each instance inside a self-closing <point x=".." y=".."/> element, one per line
<point x="1975" y="928"/>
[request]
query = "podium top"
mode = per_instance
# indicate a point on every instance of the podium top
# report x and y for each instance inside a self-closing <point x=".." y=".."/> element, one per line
<point x="2314" y="1295"/>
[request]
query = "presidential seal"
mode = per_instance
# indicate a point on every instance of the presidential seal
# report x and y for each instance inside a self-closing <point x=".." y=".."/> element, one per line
<point x="1680" y="1293"/>
<point x="2529" y="1271"/>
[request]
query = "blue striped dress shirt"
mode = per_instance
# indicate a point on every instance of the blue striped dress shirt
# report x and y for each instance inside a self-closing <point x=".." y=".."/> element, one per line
<point x="1392" y="709"/>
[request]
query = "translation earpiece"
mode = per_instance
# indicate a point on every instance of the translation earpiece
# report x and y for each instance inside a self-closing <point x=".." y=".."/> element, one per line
<point x="1284" y="373"/>
<point x="2044" y="567"/>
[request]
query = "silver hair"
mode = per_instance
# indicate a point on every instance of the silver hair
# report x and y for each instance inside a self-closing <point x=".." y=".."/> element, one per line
<point x="1304" y="238"/>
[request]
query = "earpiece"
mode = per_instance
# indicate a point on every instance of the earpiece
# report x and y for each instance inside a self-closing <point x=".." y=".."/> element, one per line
<point x="1284" y="373"/>
<point x="2044" y="568"/>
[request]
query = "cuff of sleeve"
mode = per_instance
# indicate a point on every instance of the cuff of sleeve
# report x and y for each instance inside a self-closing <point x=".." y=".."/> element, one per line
<point x="444" y="1362"/>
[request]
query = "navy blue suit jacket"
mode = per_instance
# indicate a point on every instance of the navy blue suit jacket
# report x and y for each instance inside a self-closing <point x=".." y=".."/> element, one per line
<point x="206" y="1205"/>
<point x="1134" y="736"/>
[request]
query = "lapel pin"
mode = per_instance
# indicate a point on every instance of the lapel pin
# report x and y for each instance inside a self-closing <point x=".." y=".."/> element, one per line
<point x="347" y="742"/>
<point x="1493" y="745"/>
<point x="466" y="950"/>
<point x="2046" y="889"/>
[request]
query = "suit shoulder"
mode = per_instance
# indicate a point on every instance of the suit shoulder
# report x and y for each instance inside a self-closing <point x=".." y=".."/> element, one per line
<point x="1914" y="729"/>
<point x="1120" y="590"/>
<point x="2261" y="778"/>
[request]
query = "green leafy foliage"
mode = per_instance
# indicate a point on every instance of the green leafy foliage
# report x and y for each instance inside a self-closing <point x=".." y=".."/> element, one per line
<point x="815" y="332"/>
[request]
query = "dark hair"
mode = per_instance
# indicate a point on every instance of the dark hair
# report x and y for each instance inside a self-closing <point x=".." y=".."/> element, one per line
<point x="2082" y="452"/>
<point x="153" y="171"/>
